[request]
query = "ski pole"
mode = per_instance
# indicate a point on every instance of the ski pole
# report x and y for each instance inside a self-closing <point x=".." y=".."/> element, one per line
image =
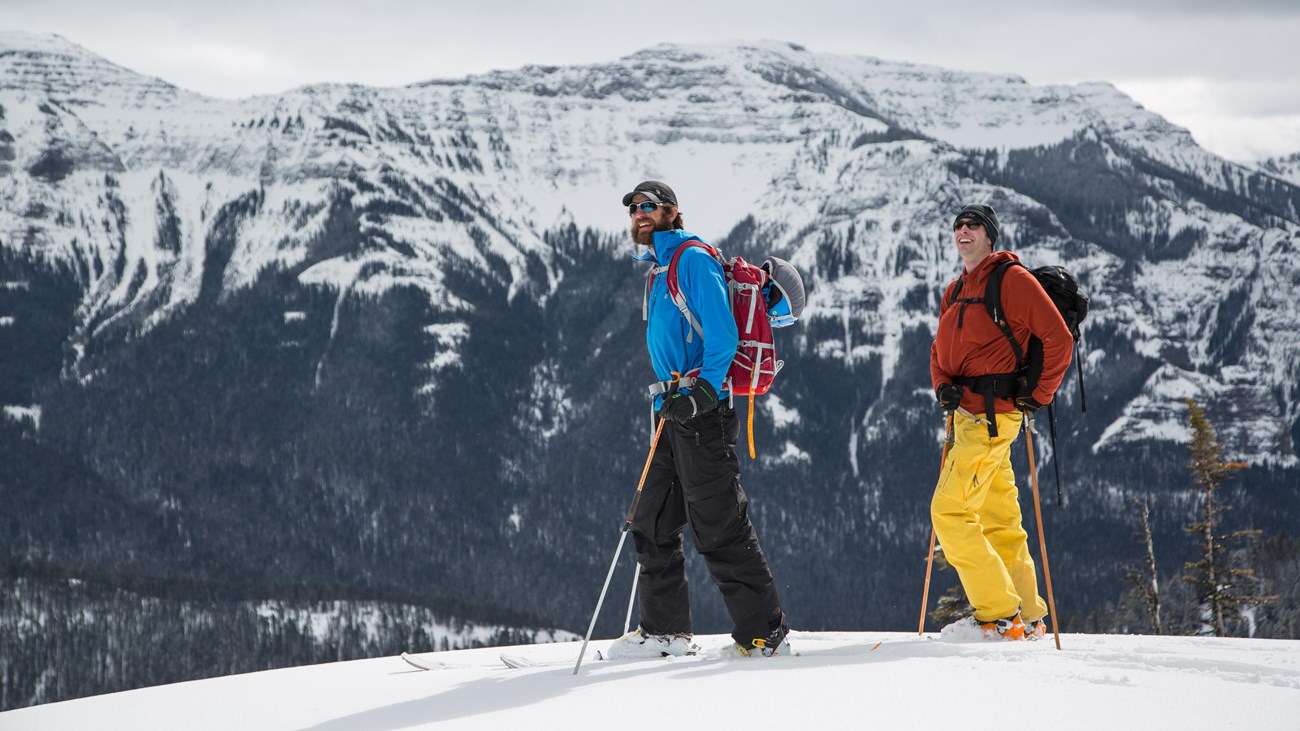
<point x="929" y="560"/>
<point x="627" y="525"/>
<point x="631" y="598"/>
<point x="1056" y="456"/>
<point x="636" y="574"/>
<point x="1038" y="516"/>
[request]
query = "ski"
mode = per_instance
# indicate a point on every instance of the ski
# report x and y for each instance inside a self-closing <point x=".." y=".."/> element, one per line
<point x="421" y="663"/>
<point x="516" y="662"/>
<point x="520" y="662"/>
<point x="513" y="662"/>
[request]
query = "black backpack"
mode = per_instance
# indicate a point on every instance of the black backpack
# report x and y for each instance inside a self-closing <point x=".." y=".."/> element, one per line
<point x="1063" y="289"/>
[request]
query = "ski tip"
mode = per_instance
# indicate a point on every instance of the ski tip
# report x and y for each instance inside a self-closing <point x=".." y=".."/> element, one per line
<point x="420" y="663"/>
<point x="413" y="662"/>
<point x="876" y="646"/>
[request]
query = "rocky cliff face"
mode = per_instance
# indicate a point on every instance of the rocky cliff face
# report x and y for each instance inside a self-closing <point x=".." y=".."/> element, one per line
<point x="1287" y="168"/>
<point x="347" y="342"/>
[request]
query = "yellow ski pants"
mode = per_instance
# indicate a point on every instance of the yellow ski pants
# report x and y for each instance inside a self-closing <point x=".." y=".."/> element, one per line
<point x="977" y="520"/>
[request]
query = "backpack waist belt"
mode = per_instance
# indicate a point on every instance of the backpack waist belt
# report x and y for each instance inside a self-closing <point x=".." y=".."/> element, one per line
<point x="671" y="385"/>
<point x="991" y="387"/>
<point x="659" y="387"/>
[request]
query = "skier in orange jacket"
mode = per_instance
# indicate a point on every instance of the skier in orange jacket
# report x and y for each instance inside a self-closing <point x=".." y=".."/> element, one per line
<point x="974" y="371"/>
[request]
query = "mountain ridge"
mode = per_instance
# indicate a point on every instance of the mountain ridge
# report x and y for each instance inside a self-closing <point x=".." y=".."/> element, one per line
<point x="384" y="339"/>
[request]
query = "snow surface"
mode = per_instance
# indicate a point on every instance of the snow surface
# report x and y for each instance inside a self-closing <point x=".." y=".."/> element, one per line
<point x="20" y="413"/>
<point x="838" y="680"/>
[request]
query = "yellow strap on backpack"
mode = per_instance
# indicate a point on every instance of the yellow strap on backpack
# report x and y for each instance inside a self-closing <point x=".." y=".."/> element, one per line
<point x="751" y="426"/>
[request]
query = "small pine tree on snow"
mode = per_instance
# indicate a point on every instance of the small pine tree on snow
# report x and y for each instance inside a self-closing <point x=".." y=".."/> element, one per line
<point x="953" y="604"/>
<point x="1219" y="586"/>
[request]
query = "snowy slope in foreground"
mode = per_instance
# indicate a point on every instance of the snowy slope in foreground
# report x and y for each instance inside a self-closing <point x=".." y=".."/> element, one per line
<point x="837" y="681"/>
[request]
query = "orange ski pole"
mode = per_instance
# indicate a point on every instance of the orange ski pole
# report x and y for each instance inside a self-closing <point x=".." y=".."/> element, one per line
<point x="1038" y="517"/>
<point x="929" y="560"/>
<point x="627" y="525"/>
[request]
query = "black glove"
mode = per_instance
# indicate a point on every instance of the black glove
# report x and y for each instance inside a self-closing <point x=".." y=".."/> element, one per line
<point x="1028" y="403"/>
<point x="949" y="396"/>
<point x="682" y="407"/>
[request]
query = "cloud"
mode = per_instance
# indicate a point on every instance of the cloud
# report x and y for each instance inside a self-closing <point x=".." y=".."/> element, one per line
<point x="1244" y="122"/>
<point x="218" y="59"/>
<point x="1185" y="8"/>
<point x="1251" y="98"/>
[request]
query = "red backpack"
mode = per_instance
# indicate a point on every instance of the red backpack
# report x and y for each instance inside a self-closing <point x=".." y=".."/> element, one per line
<point x="754" y="366"/>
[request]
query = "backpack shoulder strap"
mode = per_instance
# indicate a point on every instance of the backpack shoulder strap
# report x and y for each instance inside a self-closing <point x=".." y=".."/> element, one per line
<point x="993" y="303"/>
<point x="950" y="292"/>
<point x="675" y="292"/>
<point x="649" y="285"/>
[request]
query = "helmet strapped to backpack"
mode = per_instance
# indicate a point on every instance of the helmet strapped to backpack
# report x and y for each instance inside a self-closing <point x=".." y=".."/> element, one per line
<point x="784" y="292"/>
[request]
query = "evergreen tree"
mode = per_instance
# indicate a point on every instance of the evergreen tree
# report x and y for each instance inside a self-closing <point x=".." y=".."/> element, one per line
<point x="1143" y="575"/>
<point x="1277" y="563"/>
<point x="1220" y="587"/>
<point x="953" y="604"/>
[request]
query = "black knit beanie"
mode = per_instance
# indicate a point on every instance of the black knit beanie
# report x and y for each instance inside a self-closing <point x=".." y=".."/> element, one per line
<point x="985" y="215"/>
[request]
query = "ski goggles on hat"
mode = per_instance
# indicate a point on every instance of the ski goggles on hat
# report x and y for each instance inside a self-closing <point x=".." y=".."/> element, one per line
<point x="643" y="206"/>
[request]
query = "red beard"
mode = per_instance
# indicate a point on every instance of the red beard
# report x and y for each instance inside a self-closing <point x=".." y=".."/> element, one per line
<point x="648" y="238"/>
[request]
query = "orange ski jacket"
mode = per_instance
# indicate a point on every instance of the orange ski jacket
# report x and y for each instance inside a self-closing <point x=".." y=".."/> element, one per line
<point x="968" y="343"/>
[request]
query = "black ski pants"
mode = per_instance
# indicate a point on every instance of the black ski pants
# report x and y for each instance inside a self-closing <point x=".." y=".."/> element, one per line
<point x="694" y="479"/>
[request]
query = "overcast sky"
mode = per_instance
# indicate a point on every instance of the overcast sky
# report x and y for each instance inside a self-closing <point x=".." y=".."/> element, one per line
<point x="1228" y="70"/>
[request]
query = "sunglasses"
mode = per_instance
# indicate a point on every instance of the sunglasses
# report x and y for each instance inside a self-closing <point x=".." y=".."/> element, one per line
<point x="643" y="206"/>
<point x="972" y="225"/>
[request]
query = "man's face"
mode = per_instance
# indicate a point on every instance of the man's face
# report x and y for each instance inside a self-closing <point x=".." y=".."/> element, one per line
<point x="972" y="240"/>
<point x="645" y="223"/>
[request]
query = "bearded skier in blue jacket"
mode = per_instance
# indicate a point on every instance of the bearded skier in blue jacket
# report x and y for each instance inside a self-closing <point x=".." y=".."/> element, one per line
<point x="694" y="475"/>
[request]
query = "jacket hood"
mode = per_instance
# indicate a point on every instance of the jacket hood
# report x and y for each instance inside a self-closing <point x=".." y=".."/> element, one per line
<point x="665" y="243"/>
<point x="981" y="273"/>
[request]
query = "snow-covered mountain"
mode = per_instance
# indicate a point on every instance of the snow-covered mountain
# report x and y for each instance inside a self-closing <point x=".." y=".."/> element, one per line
<point x="351" y="342"/>
<point x="838" y="681"/>
<point x="809" y="151"/>
<point x="1286" y="168"/>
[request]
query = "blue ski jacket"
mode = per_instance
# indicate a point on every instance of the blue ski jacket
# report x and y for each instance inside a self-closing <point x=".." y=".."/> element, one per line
<point x="673" y="345"/>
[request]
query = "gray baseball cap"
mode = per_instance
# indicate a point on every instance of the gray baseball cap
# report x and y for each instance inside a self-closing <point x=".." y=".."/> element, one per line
<point x="654" y="190"/>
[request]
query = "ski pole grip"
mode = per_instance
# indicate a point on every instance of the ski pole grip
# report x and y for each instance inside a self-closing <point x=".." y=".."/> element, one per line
<point x="631" y="512"/>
